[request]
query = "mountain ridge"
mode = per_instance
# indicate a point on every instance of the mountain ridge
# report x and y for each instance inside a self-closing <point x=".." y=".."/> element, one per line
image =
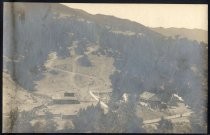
<point x="192" y="34"/>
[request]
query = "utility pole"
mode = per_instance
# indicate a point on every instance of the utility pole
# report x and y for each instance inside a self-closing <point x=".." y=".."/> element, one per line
<point x="88" y="85"/>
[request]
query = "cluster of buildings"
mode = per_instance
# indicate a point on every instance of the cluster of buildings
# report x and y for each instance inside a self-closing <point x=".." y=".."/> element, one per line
<point x="147" y="99"/>
<point x="154" y="101"/>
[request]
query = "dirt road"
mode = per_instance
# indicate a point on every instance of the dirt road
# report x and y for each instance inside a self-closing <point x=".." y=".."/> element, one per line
<point x="101" y="102"/>
<point x="168" y="117"/>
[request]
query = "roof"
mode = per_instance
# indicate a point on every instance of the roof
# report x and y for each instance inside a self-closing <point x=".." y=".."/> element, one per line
<point x="61" y="96"/>
<point x="64" y="98"/>
<point x="149" y="96"/>
<point x="146" y="95"/>
<point x="102" y="91"/>
<point x="154" y="98"/>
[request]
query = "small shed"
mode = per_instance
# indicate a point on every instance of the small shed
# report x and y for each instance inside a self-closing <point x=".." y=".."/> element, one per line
<point x="69" y="94"/>
<point x="66" y="98"/>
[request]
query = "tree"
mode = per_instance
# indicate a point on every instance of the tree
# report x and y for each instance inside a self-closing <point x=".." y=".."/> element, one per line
<point x="38" y="126"/>
<point x="198" y="123"/>
<point x="45" y="126"/>
<point x="22" y="123"/>
<point x="12" y="119"/>
<point x="50" y="126"/>
<point x="122" y="120"/>
<point x="67" y="127"/>
<point x="164" y="126"/>
<point x="127" y="120"/>
<point x="89" y="119"/>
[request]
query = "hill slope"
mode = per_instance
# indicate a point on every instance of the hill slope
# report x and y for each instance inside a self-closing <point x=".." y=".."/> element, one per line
<point x="55" y="48"/>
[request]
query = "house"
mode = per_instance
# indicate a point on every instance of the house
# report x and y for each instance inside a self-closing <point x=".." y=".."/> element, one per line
<point x="65" y="98"/>
<point x="103" y="95"/>
<point x="150" y="99"/>
<point x="175" y="99"/>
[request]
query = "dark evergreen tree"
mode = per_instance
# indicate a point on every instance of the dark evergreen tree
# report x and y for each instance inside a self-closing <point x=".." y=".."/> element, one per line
<point x="22" y="123"/>
<point x="164" y="126"/>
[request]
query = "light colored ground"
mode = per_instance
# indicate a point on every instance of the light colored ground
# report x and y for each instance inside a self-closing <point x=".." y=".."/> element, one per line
<point x="15" y="96"/>
<point x="70" y="76"/>
<point x="68" y="109"/>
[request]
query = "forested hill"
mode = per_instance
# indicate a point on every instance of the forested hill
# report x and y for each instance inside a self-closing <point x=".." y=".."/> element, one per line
<point x="143" y="59"/>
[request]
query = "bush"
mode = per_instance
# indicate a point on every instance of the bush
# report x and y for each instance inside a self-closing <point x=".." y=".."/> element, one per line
<point x="164" y="126"/>
<point x="198" y="123"/>
<point x="22" y="123"/>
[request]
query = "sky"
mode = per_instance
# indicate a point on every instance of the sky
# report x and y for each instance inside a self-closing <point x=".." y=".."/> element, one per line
<point x="153" y="15"/>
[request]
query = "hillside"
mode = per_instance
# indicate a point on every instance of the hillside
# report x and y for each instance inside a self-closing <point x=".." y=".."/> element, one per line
<point x="139" y="58"/>
<point x="15" y="96"/>
<point x="51" y="48"/>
